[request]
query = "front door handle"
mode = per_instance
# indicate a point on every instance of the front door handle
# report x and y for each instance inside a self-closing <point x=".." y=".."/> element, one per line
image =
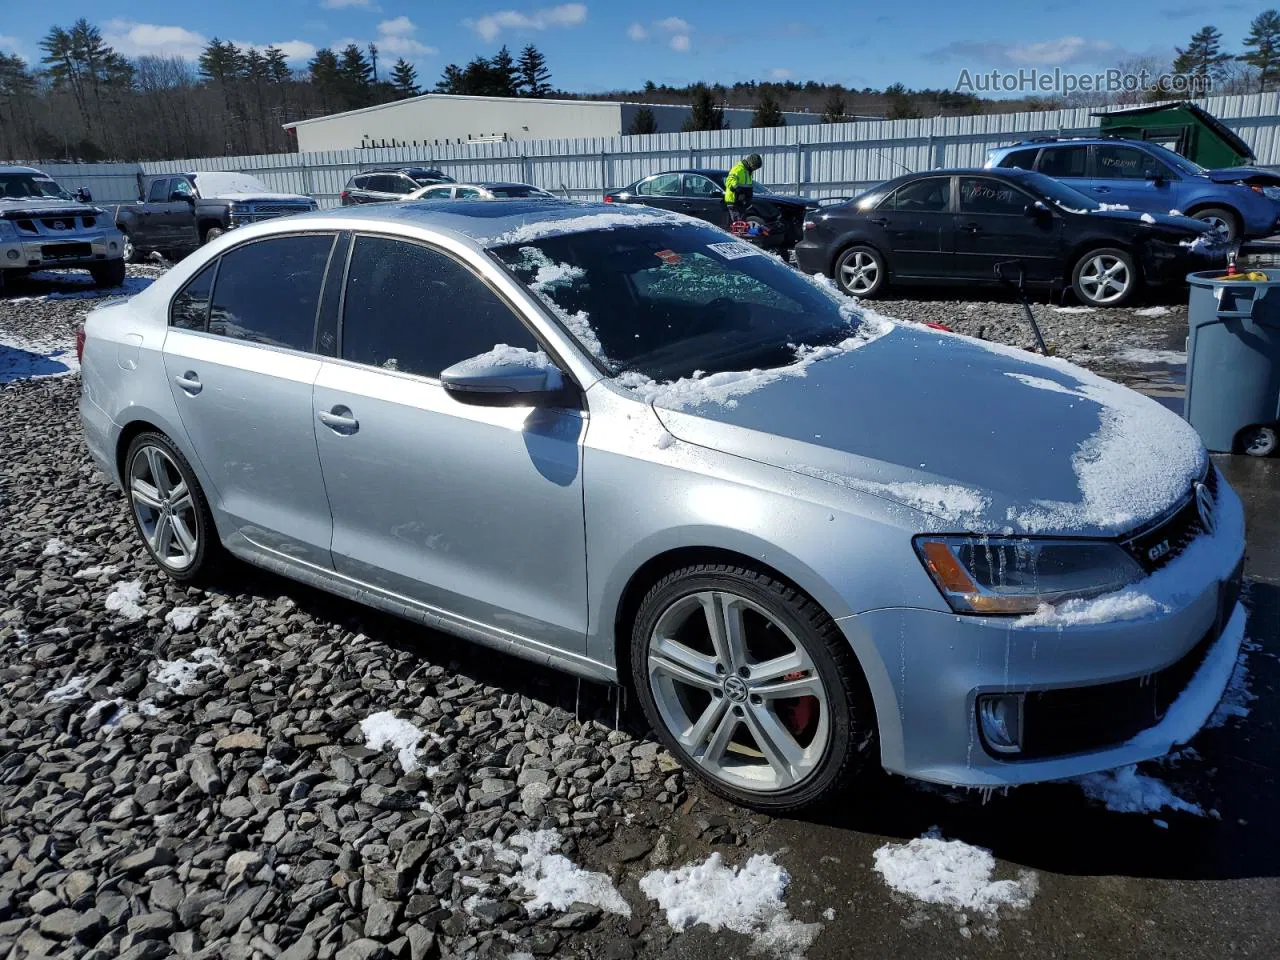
<point x="970" y="228"/>
<point x="339" y="420"/>
<point x="879" y="221"/>
<point x="189" y="382"/>
<point x="1101" y="189"/>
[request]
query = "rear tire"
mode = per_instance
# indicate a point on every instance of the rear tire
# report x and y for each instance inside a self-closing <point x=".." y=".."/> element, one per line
<point x="1105" y="277"/>
<point x="861" y="272"/>
<point x="169" y="510"/>
<point x="109" y="274"/>
<point x="778" y="719"/>
<point x="1221" y="219"/>
<point x="1259" y="441"/>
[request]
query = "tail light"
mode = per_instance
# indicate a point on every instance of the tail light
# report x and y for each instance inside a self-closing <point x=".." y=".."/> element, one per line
<point x="608" y="198"/>
<point x="344" y="196"/>
<point x="80" y="344"/>
<point x="810" y="225"/>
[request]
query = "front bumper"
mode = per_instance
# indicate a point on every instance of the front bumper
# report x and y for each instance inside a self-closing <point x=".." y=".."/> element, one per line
<point x="935" y="665"/>
<point x="77" y="250"/>
<point x="1165" y="262"/>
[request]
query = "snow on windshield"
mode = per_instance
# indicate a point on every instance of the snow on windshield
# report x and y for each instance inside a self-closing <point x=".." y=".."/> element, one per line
<point x="220" y="184"/>
<point x="548" y="275"/>
<point x="623" y="216"/>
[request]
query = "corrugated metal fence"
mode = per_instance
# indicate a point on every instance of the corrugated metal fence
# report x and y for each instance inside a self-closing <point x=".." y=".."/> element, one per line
<point x="826" y="160"/>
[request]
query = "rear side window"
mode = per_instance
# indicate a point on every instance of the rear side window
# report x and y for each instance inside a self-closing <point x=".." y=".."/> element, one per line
<point x="980" y="195"/>
<point x="1022" y="159"/>
<point x="665" y="185"/>
<point x="267" y="292"/>
<point x="1065" y="161"/>
<point x="414" y="309"/>
<point x="190" y="309"/>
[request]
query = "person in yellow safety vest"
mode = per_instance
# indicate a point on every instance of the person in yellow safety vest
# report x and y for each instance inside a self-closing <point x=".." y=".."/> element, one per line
<point x="737" y="185"/>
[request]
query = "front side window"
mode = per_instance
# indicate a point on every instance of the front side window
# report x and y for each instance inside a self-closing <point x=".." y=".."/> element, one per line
<point x="667" y="300"/>
<point x="1065" y="161"/>
<point x="924" y="196"/>
<point x="417" y="310"/>
<point x="267" y="292"/>
<point x="180" y="187"/>
<point x="981" y="195"/>
<point x="1128" y="163"/>
<point x="438" y="193"/>
<point x="159" y="191"/>
<point x="466" y="193"/>
<point x="190" y="309"/>
<point x="665" y="185"/>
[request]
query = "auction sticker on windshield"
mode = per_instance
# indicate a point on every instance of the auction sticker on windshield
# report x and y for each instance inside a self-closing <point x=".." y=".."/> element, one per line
<point x="732" y="250"/>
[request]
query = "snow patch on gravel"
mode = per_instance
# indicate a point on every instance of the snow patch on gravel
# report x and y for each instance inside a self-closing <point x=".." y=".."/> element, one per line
<point x="385" y="729"/>
<point x="1145" y="355"/>
<point x="1125" y="790"/>
<point x="181" y="618"/>
<point x="182" y="675"/>
<point x="745" y="899"/>
<point x="553" y="881"/>
<point x="70" y="690"/>
<point x="28" y="358"/>
<point x="126" y="598"/>
<point x="103" y="570"/>
<point x="1152" y="312"/>
<point x="952" y="873"/>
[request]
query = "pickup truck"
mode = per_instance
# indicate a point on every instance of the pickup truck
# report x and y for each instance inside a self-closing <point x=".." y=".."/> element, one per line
<point x="177" y="212"/>
<point x="42" y="227"/>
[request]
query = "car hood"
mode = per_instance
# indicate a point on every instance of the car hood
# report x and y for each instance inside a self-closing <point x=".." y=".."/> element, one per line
<point x="52" y="206"/>
<point x="1184" y="227"/>
<point x="260" y="195"/>
<point x="980" y="437"/>
<point x="788" y="200"/>
<point x="1252" y="175"/>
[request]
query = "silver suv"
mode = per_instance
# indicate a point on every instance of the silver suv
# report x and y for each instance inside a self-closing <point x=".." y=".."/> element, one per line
<point x="42" y="226"/>
<point x="621" y="442"/>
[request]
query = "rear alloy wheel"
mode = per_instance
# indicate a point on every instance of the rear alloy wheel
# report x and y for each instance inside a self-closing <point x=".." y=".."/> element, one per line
<point x="1259" y="441"/>
<point x="169" y="509"/>
<point x="1222" y="220"/>
<point x="752" y="686"/>
<point x="861" y="272"/>
<point x="1105" y="278"/>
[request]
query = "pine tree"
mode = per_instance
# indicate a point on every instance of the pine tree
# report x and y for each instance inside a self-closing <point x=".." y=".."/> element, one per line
<point x="768" y="112"/>
<point x="277" y="64"/>
<point x="373" y="60"/>
<point x="221" y="61"/>
<point x="705" y="113"/>
<point x="404" y="79"/>
<point x="834" y="107"/>
<point x="1203" y="58"/>
<point x="255" y="66"/>
<point x="533" y="73"/>
<point x="1262" y="47"/>
<point x="901" y="106"/>
<point x="505" y="75"/>
<point x="643" y="122"/>
<point x="450" y="80"/>
<point x="355" y="77"/>
<point x="323" y="70"/>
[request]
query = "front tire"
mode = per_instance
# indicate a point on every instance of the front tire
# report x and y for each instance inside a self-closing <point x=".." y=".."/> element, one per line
<point x="1222" y="220"/>
<point x="130" y="251"/>
<point x="1105" y="277"/>
<point x="752" y="686"/>
<point x="861" y="272"/>
<point x="212" y="234"/>
<point x="109" y="274"/>
<point x="1260" y="441"/>
<point x="169" y="510"/>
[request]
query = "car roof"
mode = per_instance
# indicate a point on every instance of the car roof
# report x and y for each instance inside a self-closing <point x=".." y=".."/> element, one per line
<point x="476" y="222"/>
<point x="1071" y="141"/>
<point x="4" y="168"/>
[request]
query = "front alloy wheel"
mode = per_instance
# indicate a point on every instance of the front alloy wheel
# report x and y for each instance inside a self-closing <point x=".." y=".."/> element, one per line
<point x="751" y="685"/>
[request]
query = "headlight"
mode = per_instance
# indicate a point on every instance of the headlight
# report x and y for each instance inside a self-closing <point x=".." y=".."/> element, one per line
<point x="1014" y="575"/>
<point x="1272" y="193"/>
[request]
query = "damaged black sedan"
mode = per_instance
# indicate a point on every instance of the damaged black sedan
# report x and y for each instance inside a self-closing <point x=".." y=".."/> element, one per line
<point x="955" y="226"/>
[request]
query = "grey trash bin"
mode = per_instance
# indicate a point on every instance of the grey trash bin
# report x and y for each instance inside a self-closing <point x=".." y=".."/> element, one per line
<point x="1233" y="361"/>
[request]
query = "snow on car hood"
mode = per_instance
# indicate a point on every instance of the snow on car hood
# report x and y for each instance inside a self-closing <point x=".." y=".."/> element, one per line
<point x="38" y="206"/>
<point x="223" y="185"/>
<point x="983" y="438"/>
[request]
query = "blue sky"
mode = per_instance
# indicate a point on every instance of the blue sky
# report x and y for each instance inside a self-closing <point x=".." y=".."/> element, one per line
<point x="594" y="46"/>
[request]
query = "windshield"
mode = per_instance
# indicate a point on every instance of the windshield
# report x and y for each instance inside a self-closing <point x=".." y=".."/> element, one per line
<point x="30" y="186"/>
<point x="668" y="300"/>
<point x="1046" y="188"/>
<point x="1177" y="160"/>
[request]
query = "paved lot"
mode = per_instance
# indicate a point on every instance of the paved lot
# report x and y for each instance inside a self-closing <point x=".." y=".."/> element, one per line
<point x="230" y="804"/>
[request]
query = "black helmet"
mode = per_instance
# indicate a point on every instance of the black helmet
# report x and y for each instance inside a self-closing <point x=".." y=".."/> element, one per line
<point x="754" y="162"/>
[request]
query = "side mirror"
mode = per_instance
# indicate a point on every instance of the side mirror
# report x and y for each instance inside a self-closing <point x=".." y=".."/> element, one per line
<point x="1036" y="210"/>
<point x="1155" y="176"/>
<point x="83" y="195"/>
<point x="503" y="377"/>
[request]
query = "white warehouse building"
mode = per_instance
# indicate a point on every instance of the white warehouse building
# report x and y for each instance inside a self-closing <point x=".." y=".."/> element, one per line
<point x="438" y="118"/>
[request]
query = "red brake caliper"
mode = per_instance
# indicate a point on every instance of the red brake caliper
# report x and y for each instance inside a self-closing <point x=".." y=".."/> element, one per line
<point x="799" y="714"/>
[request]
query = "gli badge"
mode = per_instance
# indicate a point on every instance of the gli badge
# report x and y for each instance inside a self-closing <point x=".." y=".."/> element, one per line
<point x="1205" y="507"/>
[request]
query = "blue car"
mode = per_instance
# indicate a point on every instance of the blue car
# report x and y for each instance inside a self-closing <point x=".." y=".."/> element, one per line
<point x="1241" y="202"/>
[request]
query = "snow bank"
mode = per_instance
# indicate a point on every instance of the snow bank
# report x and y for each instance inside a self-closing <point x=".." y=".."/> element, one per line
<point x="622" y="216"/>
<point x="70" y="690"/>
<point x="952" y="873"/>
<point x="1127" y="791"/>
<point x="1108" y="608"/>
<point x="125" y="599"/>
<point x="385" y="729"/>
<point x="745" y="899"/>
<point x="181" y="618"/>
<point x="182" y="675"/>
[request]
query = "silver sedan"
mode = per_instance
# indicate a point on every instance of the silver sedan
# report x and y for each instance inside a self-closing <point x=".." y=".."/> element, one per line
<point x="621" y="442"/>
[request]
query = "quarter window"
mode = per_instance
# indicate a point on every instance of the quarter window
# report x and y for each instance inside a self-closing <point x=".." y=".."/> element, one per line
<point x="416" y="310"/>
<point x="980" y="195"/>
<point x="1065" y="161"/>
<point x="664" y="185"/>
<point x="190" y="310"/>
<point x="267" y="292"/>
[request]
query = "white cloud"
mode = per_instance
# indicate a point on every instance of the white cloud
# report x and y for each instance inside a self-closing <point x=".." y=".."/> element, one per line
<point x="339" y="4"/>
<point x="1047" y="53"/>
<point x="397" y="37"/>
<point x="673" y="25"/>
<point x="636" y="32"/>
<point x="157" y="40"/>
<point x="10" y="44"/>
<point x="399" y="27"/>
<point x="680" y="43"/>
<point x="779" y="73"/>
<point x="492" y="24"/>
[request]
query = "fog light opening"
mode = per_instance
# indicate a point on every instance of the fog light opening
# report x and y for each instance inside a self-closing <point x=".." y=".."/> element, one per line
<point x="13" y="254"/>
<point x="1000" y="716"/>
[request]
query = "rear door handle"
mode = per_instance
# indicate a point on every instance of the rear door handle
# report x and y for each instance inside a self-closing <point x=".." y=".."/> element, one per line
<point x="1101" y="189"/>
<point x="970" y="228"/>
<point x="189" y="382"/>
<point x="339" y="420"/>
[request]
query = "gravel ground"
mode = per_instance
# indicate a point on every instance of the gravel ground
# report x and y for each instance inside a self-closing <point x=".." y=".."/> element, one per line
<point x="264" y="771"/>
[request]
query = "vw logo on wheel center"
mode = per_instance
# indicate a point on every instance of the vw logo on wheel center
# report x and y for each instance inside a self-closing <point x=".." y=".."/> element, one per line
<point x="735" y="689"/>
